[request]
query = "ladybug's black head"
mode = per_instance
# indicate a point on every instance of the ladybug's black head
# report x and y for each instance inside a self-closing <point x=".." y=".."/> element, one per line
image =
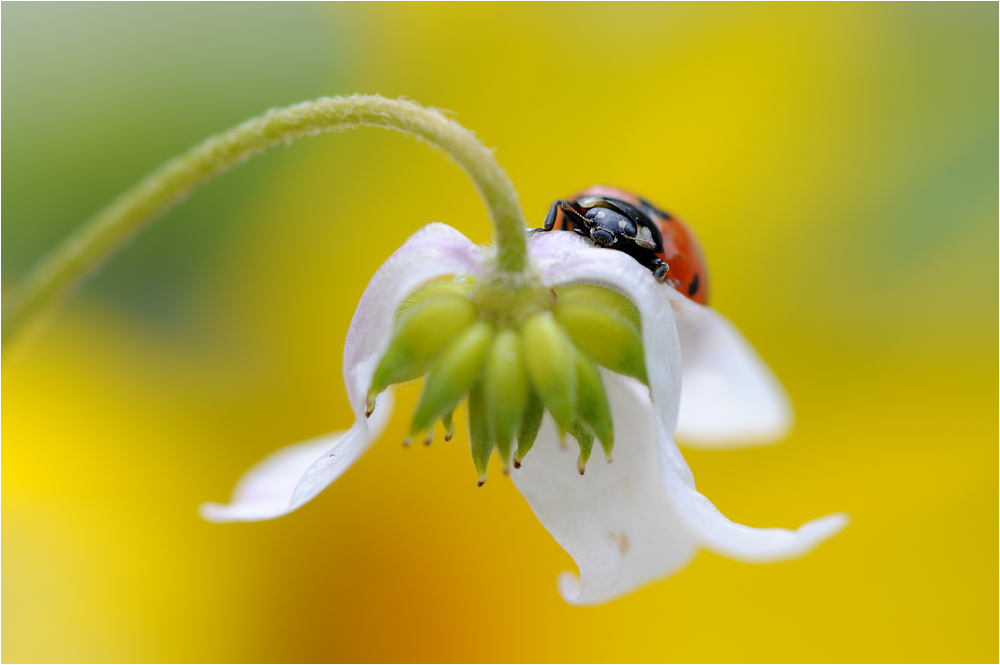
<point x="607" y="227"/>
<point x="608" y="222"/>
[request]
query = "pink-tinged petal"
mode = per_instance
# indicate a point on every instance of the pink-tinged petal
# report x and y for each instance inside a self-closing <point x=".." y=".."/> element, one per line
<point x="265" y="491"/>
<point x="565" y="258"/>
<point x="434" y="251"/>
<point x="729" y="397"/>
<point x="617" y="521"/>
<point x="295" y="475"/>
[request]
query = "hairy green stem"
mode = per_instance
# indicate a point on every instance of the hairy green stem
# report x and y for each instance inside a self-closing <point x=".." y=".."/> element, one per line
<point x="92" y="244"/>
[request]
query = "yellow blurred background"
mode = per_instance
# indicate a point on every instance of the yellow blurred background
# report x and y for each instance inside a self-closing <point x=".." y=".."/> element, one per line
<point x="838" y="162"/>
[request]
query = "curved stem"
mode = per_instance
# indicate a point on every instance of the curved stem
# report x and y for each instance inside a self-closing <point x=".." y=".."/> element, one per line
<point x="55" y="275"/>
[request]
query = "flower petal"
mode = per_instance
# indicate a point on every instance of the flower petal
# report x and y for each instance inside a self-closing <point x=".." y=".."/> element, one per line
<point x="434" y="251"/>
<point x="565" y="258"/>
<point x="265" y="491"/>
<point x="617" y="521"/>
<point x="714" y="531"/>
<point x="296" y="474"/>
<point x="729" y="396"/>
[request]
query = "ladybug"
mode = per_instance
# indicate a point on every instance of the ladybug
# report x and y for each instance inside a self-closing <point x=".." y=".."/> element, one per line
<point x="621" y="220"/>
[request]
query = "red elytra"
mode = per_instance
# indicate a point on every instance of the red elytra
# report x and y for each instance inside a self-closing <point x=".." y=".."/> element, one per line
<point x="688" y="273"/>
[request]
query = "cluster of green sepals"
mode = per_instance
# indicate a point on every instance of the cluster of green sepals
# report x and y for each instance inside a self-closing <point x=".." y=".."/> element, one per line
<point x="513" y="372"/>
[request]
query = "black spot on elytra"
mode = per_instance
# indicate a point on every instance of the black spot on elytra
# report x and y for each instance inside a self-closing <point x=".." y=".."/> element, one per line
<point x="693" y="289"/>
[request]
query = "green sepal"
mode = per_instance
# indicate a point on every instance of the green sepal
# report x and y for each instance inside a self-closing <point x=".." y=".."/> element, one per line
<point x="599" y="296"/>
<point x="548" y="355"/>
<point x="455" y="287"/>
<point x="421" y="334"/>
<point x="505" y="387"/>
<point x="506" y="453"/>
<point x="479" y="431"/>
<point x="585" y="438"/>
<point x="530" y="424"/>
<point x="448" y="422"/>
<point x="592" y="402"/>
<point x="452" y="376"/>
<point x="606" y="337"/>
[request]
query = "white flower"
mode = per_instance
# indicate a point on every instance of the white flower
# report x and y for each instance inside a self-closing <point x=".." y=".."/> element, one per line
<point x="626" y="523"/>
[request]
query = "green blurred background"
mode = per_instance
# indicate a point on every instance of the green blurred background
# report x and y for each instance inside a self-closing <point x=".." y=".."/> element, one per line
<point x="839" y="163"/>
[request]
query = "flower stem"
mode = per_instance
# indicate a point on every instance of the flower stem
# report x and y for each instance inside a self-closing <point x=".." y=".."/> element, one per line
<point x="80" y="255"/>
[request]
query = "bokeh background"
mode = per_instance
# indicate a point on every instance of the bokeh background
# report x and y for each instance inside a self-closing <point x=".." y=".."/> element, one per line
<point x="839" y="164"/>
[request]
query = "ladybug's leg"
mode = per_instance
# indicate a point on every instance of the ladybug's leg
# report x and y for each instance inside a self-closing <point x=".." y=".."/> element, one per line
<point x="571" y="218"/>
<point x="551" y="215"/>
<point x="659" y="268"/>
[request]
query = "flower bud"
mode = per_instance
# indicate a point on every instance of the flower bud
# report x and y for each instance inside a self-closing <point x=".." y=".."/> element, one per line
<point x="604" y="298"/>
<point x="431" y="291"/>
<point x="480" y="440"/>
<point x="592" y="402"/>
<point x="605" y="335"/>
<point x="448" y="422"/>
<point x="531" y="422"/>
<point x="421" y="334"/>
<point x="548" y="355"/>
<point x="585" y="438"/>
<point x="505" y="389"/>
<point x="452" y="375"/>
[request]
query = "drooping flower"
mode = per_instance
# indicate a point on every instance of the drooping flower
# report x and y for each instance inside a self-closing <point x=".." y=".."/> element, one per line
<point x="625" y="523"/>
<point x="524" y="331"/>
